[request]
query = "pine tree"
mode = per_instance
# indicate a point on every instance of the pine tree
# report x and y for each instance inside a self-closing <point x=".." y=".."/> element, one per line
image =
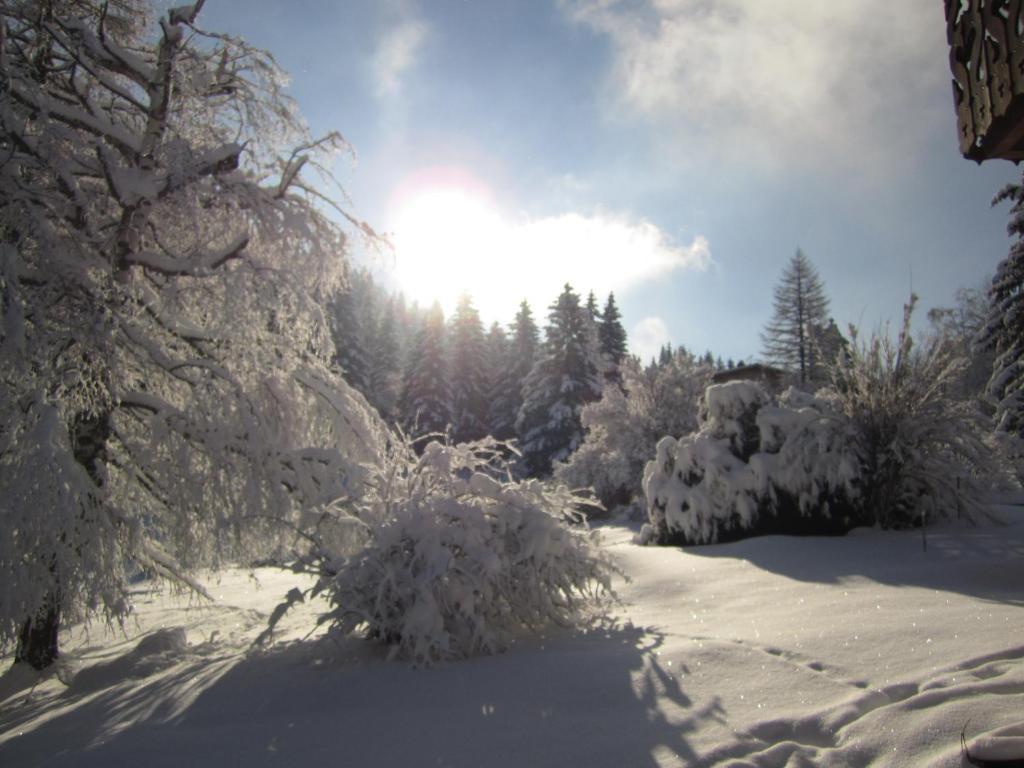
<point x="562" y="381"/>
<point x="503" y="385"/>
<point x="612" y="338"/>
<point x="593" y="313"/>
<point x="1004" y="329"/>
<point x="425" y="405"/>
<point x="467" y="375"/>
<point x="592" y="321"/>
<point x="800" y="309"/>
<point x="349" y="333"/>
<point x="525" y="344"/>
<point x="665" y="354"/>
<point x="384" y="364"/>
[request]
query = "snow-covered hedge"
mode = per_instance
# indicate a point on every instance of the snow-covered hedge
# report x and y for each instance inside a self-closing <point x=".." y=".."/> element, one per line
<point x="888" y="444"/>
<point x="451" y="557"/>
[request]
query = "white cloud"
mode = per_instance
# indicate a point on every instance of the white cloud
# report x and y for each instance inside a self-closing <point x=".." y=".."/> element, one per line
<point x="396" y="54"/>
<point x="648" y="337"/>
<point x="449" y="241"/>
<point x="781" y="81"/>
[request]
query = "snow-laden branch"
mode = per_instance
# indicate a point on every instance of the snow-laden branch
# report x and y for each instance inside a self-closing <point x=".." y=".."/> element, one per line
<point x="97" y="125"/>
<point x="102" y="50"/>
<point x="174" y="325"/>
<point x="199" y="265"/>
<point x="134" y="184"/>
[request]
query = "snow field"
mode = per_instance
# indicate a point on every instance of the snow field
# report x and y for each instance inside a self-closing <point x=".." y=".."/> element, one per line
<point x="775" y="651"/>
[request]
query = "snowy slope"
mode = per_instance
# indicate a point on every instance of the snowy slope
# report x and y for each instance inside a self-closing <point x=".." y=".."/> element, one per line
<point x="769" y="652"/>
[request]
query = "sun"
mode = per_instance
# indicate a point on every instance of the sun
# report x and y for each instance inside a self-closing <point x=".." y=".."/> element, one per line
<point x="445" y="231"/>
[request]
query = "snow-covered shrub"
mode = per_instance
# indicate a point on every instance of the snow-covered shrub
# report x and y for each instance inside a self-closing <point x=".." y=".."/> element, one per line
<point x="452" y="557"/>
<point x="890" y="444"/>
<point x="626" y="423"/>
<point x="918" y="444"/>
<point x="753" y="467"/>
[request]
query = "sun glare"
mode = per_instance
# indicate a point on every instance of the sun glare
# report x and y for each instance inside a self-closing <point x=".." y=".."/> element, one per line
<point x="443" y="235"/>
<point x="451" y="237"/>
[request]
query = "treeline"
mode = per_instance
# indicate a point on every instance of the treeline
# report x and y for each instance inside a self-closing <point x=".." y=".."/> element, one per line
<point x="430" y="374"/>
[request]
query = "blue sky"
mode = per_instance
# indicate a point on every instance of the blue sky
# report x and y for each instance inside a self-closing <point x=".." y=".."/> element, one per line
<point x="674" y="151"/>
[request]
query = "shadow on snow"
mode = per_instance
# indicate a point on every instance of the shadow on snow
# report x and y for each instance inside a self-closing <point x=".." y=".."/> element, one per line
<point x="986" y="561"/>
<point x="596" y="698"/>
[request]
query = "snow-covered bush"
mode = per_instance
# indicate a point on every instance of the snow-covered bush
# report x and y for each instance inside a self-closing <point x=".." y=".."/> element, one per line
<point x="919" y="445"/>
<point x="625" y="424"/>
<point x="753" y="467"/>
<point x="890" y="444"/>
<point x="446" y="556"/>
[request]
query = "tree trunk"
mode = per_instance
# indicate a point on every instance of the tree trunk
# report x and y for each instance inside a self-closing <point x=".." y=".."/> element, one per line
<point x="38" y="639"/>
<point x="37" y="642"/>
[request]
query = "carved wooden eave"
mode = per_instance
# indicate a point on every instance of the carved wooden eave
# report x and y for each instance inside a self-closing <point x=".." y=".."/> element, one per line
<point x="986" y="55"/>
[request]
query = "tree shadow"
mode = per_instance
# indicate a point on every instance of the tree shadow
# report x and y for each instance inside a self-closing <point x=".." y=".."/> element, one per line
<point x="596" y="698"/>
<point x="984" y="561"/>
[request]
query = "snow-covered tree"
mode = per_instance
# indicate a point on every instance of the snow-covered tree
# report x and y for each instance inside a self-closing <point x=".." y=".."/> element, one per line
<point x="164" y="355"/>
<point x="799" y="310"/>
<point x="467" y="373"/>
<point x="665" y="354"/>
<point x="563" y="380"/>
<point x="524" y="341"/>
<point x="962" y="324"/>
<point x="503" y="385"/>
<point x="349" y="335"/>
<point x="593" y="312"/>
<point x="384" y="362"/>
<point x="1004" y="328"/>
<point x="426" y="403"/>
<point x="612" y="338"/>
<point x="625" y="424"/>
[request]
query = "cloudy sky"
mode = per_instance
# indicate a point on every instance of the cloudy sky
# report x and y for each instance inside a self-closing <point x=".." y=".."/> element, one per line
<point x="676" y="152"/>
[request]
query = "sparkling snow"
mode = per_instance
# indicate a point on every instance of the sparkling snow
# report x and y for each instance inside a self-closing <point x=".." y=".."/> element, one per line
<point x="774" y="651"/>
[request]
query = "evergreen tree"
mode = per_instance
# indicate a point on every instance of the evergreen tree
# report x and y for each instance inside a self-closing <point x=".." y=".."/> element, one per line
<point x="425" y="405"/>
<point x="348" y="334"/>
<point x="467" y="375"/>
<point x="1004" y="329"/>
<point x="562" y="381"/>
<point x="665" y="354"/>
<point x="385" y="363"/>
<point x="612" y="338"/>
<point x="503" y="385"/>
<point x="592" y="321"/>
<point x="800" y="310"/>
<point x="525" y="343"/>
<point x="409" y="320"/>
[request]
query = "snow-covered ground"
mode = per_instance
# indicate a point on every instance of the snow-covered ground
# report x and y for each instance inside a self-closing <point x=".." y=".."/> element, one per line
<point x="776" y="651"/>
